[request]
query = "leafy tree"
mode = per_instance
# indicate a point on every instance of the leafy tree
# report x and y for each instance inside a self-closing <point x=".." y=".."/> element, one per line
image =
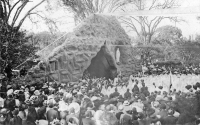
<point x="15" y="47"/>
<point x="14" y="44"/>
<point x="197" y="38"/>
<point x="167" y="34"/>
<point x="189" y="52"/>
<point x="43" y="39"/>
<point x="162" y="47"/>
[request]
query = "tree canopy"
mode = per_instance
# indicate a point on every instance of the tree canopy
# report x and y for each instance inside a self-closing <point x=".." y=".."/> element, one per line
<point x="167" y="34"/>
<point x="14" y="43"/>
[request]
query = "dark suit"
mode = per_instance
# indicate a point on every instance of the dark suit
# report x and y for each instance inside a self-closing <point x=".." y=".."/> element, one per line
<point x="127" y="95"/>
<point x="115" y="94"/>
<point x="118" y="115"/>
<point x="88" y="121"/>
<point x="163" y="113"/>
<point x="169" y="120"/>
<point x="41" y="113"/>
<point x="52" y="114"/>
<point x="125" y="119"/>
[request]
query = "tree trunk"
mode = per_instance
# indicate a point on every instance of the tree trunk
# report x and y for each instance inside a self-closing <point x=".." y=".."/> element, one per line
<point x="1" y="11"/>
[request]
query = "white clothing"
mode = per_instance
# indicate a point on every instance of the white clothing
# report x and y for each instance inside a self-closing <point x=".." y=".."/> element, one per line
<point x="63" y="106"/>
<point x="76" y="107"/>
<point x="117" y="55"/>
<point x="1" y="102"/>
<point x="97" y="116"/>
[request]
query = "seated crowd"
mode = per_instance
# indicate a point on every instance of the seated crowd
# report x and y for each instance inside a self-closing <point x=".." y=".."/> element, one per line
<point x="84" y="104"/>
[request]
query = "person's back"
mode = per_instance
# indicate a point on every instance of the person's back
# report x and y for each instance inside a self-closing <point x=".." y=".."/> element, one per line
<point x="135" y="88"/>
<point x="169" y="120"/>
<point x="115" y="94"/>
<point x="51" y="115"/>
<point x="163" y="112"/>
<point x="88" y="121"/>
<point x="127" y="95"/>
<point x="16" y="120"/>
<point x="125" y="119"/>
<point x="41" y="113"/>
<point x="76" y="107"/>
<point x="9" y="103"/>
<point x="32" y="116"/>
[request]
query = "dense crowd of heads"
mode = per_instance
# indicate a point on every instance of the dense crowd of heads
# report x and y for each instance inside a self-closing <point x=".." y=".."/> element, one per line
<point x="170" y="67"/>
<point x="83" y="103"/>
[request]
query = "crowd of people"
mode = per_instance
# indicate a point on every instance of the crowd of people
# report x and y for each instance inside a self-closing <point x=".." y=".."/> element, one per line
<point x="161" y="68"/>
<point x="86" y="103"/>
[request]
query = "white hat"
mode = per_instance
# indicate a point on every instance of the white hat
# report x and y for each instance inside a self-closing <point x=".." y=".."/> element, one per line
<point x="16" y="92"/>
<point x="79" y="93"/>
<point x="68" y="95"/>
<point x="94" y="98"/>
<point x="10" y="92"/>
<point x="32" y="88"/>
<point x="37" y="92"/>
<point x="74" y="91"/>
<point x="45" y="86"/>
<point x="126" y="103"/>
<point x="121" y="107"/>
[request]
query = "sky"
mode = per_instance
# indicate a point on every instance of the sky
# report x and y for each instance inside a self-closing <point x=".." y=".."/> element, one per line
<point x="65" y="21"/>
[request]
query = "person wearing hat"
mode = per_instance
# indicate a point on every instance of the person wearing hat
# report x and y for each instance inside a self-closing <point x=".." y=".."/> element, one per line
<point x="75" y="105"/>
<point x="10" y="101"/>
<point x="88" y="119"/>
<point x="125" y="119"/>
<point x="16" y="120"/>
<point x="120" y="112"/>
<point x="169" y="119"/>
<point x="163" y="112"/>
<point x="148" y="110"/>
<point x="127" y="106"/>
<point x="51" y="112"/>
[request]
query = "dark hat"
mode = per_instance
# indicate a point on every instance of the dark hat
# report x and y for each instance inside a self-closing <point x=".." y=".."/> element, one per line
<point x="188" y="87"/>
<point x="194" y="87"/>
<point x="162" y="106"/>
<point x="198" y="84"/>
<point x="28" y="102"/>
<point x="160" y="87"/>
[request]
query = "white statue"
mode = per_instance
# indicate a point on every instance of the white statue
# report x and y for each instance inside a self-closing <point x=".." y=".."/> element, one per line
<point x="117" y="56"/>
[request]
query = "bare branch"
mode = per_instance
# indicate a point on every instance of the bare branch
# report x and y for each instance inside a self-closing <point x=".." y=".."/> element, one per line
<point x="154" y="1"/>
<point x="135" y="19"/>
<point x="156" y="24"/>
<point x="131" y="25"/>
<point x="5" y="8"/>
<point x="12" y="9"/>
<point x="22" y="20"/>
<point x="19" y="9"/>
<point x="153" y="20"/>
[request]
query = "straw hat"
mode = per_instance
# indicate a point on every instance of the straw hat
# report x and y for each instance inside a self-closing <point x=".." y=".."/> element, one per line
<point x="126" y="103"/>
<point x="121" y="107"/>
<point x="36" y="92"/>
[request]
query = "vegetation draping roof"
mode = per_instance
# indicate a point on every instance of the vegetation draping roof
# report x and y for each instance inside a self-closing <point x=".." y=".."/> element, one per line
<point x="96" y="29"/>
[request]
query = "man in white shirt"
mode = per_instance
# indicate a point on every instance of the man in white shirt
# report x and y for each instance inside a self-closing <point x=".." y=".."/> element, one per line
<point x="75" y="105"/>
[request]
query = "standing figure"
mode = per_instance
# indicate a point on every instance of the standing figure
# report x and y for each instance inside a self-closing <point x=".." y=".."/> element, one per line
<point x="117" y="56"/>
<point x="8" y="71"/>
